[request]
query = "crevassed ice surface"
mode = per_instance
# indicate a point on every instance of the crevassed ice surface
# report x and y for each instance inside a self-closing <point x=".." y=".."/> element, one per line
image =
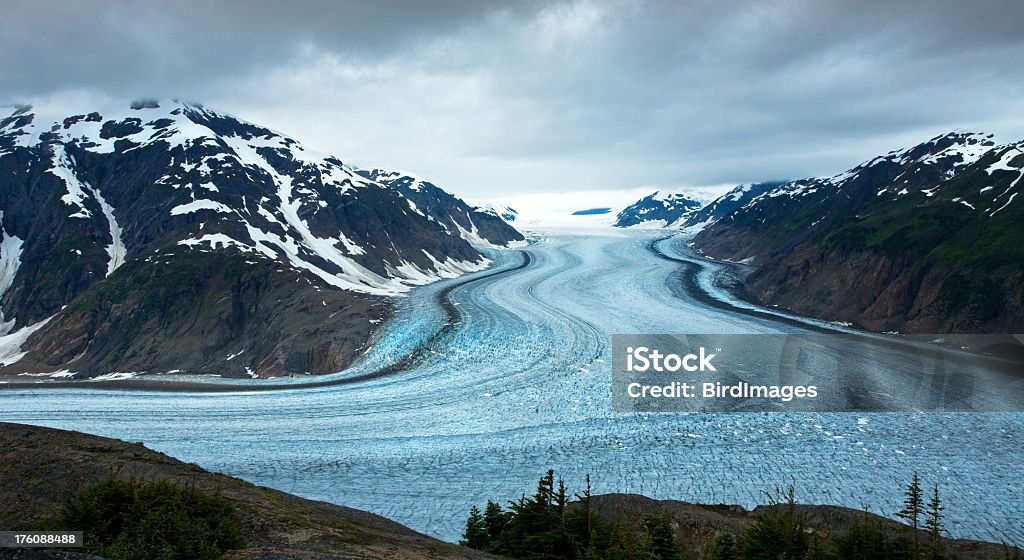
<point x="523" y="385"/>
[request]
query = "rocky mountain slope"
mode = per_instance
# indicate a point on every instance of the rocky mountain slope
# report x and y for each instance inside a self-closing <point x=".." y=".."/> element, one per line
<point x="723" y="206"/>
<point x="169" y="236"/>
<point x="918" y="240"/>
<point x="42" y="467"/>
<point x="481" y="227"/>
<point x="506" y="213"/>
<point x="658" y="209"/>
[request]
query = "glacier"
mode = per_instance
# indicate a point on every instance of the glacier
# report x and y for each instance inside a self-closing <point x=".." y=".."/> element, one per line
<point x="521" y="383"/>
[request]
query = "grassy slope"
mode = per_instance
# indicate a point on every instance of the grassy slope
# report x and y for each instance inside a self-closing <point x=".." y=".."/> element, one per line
<point x="981" y="256"/>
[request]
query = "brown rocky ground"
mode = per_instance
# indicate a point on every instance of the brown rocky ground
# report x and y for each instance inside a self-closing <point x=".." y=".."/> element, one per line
<point x="696" y="524"/>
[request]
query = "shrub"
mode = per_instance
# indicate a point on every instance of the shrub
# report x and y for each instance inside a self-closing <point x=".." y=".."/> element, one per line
<point x="128" y="520"/>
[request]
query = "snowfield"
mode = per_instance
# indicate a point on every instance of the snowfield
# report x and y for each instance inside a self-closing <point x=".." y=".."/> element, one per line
<point x="522" y="384"/>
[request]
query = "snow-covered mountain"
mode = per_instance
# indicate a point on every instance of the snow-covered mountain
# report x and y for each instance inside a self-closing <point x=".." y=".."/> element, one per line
<point x="725" y="205"/>
<point x="807" y="207"/>
<point x="165" y="205"/>
<point x="502" y="211"/>
<point x="922" y="238"/>
<point x="481" y="227"/>
<point x="658" y="209"/>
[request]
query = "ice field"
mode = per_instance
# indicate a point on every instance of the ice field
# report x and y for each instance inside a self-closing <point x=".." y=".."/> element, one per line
<point x="521" y="384"/>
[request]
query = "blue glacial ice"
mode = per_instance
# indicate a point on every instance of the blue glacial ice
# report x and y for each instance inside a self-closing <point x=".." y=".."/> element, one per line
<point x="522" y="384"/>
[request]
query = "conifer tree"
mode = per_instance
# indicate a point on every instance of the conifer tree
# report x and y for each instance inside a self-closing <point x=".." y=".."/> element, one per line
<point x="661" y="538"/>
<point x="476" y="531"/>
<point x="722" y="547"/>
<point x="779" y="532"/>
<point x="494" y="521"/>
<point x="934" y="525"/>
<point x="867" y="539"/>
<point x="585" y="502"/>
<point x="815" y="552"/>
<point x="546" y="489"/>
<point x="913" y="508"/>
<point x="560" y="499"/>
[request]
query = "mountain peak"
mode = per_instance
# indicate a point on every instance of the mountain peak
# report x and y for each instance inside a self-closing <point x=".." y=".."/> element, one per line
<point x="478" y="226"/>
<point x="395" y="177"/>
<point x="225" y="182"/>
<point x="658" y="209"/>
<point x="969" y="146"/>
<point x="104" y="202"/>
<point x="924" y="219"/>
<point x="960" y="147"/>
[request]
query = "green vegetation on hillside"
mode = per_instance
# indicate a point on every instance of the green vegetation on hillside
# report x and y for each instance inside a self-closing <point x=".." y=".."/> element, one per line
<point x="124" y="520"/>
<point x="543" y="527"/>
<point x="546" y="526"/>
<point x="980" y="251"/>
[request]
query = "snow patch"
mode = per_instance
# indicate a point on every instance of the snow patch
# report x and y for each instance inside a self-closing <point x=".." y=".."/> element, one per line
<point x="115" y="376"/>
<point x="76" y="189"/>
<point x="218" y="240"/>
<point x="1004" y="161"/>
<point x="11" y="248"/>
<point x="1014" y="195"/>
<point x="116" y="249"/>
<point x="202" y="204"/>
<point x="10" y="344"/>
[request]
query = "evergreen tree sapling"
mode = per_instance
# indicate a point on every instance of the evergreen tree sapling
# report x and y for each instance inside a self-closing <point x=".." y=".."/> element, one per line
<point x="779" y="532"/>
<point x="494" y="522"/>
<point x="722" y="547"/>
<point x="913" y="508"/>
<point x="661" y="537"/>
<point x="475" y="535"/>
<point x="934" y="525"/>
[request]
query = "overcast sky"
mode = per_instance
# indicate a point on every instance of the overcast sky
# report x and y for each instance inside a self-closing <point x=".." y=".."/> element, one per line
<point x="493" y="99"/>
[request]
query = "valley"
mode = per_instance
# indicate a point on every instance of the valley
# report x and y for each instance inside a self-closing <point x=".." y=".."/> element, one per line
<point x="372" y="268"/>
<point x="520" y="384"/>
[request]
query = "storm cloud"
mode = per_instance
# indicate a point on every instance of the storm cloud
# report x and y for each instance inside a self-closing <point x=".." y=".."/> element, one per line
<point x="491" y="99"/>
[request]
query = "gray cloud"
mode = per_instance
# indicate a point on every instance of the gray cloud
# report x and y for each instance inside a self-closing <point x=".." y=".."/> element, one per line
<point x="490" y="99"/>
